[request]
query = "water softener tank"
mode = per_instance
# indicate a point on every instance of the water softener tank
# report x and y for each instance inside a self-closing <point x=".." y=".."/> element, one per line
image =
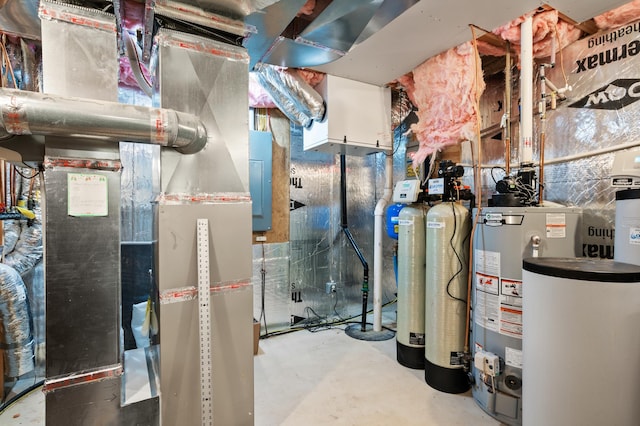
<point x="411" y="286"/>
<point x="447" y="241"/>
<point x="503" y="237"/>
<point x="627" y="236"/>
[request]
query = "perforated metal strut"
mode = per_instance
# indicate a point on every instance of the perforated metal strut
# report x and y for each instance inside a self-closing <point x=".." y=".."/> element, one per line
<point x="204" y="319"/>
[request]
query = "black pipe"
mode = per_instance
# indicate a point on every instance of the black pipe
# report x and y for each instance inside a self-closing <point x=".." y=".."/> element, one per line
<point x="352" y="241"/>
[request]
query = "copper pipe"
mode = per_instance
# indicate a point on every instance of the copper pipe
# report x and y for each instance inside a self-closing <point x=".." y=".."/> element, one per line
<point x="543" y="119"/>
<point x="541" y="181"/>
<point x="477" y="174"/>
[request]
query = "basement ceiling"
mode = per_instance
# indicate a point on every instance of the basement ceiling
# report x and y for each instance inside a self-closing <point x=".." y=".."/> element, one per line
<point x="431" y="27"/>
<point x="374" y="41"/>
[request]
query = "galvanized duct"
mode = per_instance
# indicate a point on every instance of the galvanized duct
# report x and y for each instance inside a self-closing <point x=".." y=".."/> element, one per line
<point x="17" y="341"/>
<point x="293" y="96"/>
<point x="26" y="113"/>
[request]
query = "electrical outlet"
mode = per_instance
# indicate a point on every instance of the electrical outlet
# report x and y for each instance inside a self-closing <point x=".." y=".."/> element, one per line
<point x="330" y="287"/>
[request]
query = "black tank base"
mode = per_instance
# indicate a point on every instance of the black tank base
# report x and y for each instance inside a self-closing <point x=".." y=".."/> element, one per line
<point x="410" y="356"/>
<point x="449" y="380"/>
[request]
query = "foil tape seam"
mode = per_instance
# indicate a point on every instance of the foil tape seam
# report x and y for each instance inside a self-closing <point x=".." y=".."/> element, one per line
<point x="184" y="294"/>
<point x="108" y="165"/>
<point x="218" y="197"/>
<point x="77" y="15"/>
<point x="74" y="379"/>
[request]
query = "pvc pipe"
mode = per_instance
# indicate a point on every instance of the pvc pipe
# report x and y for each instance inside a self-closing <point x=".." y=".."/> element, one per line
<point x="526" y="90"/>
<point x="507" y="109"/>
<point x="378" y="232"/>
<point x="33" y="113"/>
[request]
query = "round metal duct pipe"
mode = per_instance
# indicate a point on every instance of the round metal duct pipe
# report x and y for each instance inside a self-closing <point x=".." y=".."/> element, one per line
<point x="31" y="113"/>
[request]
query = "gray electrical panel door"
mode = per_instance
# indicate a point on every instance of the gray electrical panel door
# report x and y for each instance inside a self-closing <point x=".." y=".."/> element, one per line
<point x="260" y="161"/>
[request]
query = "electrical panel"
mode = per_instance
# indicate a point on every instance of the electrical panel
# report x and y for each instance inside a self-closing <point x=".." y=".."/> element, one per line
<point x="260" y="165"/>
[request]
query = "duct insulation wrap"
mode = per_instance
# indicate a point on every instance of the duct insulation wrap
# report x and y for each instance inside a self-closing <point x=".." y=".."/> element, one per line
<point x="447" y="254"/>
<point x="30" y="113"/>
<point x="503" y="237"/>
<point x="581" y="342"/>
<point x="627" y="240"/>
<point x="17" y="341"/>
<point x="293" y="96"/>
<point x="411" y="286"/>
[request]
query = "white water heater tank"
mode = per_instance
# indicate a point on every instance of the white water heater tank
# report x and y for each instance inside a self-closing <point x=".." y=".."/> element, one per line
<point x="581" y="342"/>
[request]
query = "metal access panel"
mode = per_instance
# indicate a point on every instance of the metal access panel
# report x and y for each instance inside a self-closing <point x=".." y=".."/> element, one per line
<point x="97" y="403"/>
<point x="82" y="257"/>
<point x="231" y="312"/>
<point x="503" y="237"/>
<point x="260" y="165"/>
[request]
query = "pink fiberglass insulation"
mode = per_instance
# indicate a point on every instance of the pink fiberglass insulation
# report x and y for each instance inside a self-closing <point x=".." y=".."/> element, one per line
<point x="620" y="16"/>
<point x="545" y="25"/>
<point x="445" y="90"/>
<point x="312" y="78"/>
<point x="307" y="8"/>
<point x="258" y="97"/>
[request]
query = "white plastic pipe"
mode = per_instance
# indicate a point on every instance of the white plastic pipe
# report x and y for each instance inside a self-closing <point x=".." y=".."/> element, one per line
<point x="378" y="232"/>
<point x="526" y="91"/>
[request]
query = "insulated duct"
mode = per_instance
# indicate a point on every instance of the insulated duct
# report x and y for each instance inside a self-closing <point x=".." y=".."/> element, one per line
<point x="16" y="341"/>
<point x="23" y="238"/>
<point x="27" y="113"/>
<point x="293" y="96"/>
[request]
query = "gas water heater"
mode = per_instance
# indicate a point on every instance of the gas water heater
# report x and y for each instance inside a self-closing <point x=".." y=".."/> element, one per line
<point x="411" y="270"/>
<point x="503" y="237"/>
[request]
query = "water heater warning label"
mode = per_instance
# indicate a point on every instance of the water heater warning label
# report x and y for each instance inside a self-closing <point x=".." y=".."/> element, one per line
<point x="513" y="357"/>
<point x="556" y="225"/>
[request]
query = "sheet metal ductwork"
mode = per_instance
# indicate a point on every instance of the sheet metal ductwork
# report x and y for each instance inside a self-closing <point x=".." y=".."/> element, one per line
<point x="295" y="98"/>
<point x="20" y="17"/>
<point x="30" y="113"/>
<point x="324" y="35"/>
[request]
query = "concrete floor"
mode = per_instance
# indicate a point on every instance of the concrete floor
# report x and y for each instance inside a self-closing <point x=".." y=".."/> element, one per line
<point x="327" y="378"/>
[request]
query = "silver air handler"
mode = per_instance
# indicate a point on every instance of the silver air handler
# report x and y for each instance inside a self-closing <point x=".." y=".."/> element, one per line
<point x="625" y="174"/>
